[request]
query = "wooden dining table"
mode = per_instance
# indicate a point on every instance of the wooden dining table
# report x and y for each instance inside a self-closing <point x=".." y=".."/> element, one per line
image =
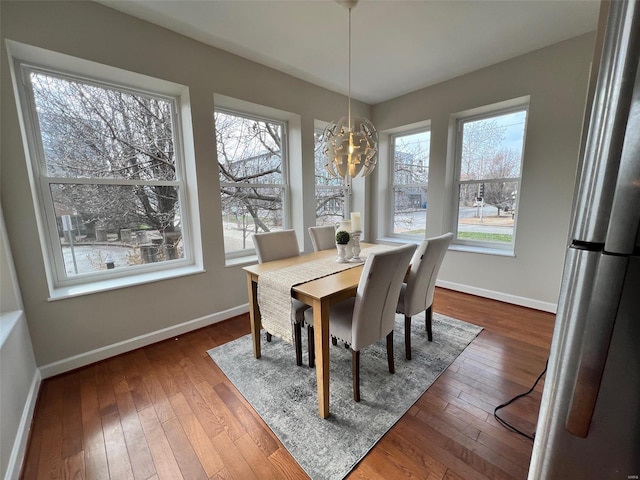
<point x="319" y="294"/>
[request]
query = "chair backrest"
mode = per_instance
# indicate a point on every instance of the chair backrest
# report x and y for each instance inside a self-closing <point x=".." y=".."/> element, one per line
<point x="276" y="245"/>
<point x="323" y="237"/>
<point x="377" y="296"/>
<point x="423" y="274"/>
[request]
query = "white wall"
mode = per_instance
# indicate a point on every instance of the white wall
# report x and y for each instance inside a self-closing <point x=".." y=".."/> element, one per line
<point x="72" y="332"/>
<point x="555" y="79"/>
<point x="19" y="377"/>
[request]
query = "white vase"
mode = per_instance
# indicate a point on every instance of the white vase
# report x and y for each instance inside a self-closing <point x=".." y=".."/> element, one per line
<point x="346" y="226"/>
<point x="342" y="250"/>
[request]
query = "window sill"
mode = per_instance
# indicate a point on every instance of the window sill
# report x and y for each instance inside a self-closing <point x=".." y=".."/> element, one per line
<point x="241" y="261"/>
<point x="60" y="293"/>
<point x="398" y="240"/>
<point x="483" y="250"/>
<point x="453" y="246"/>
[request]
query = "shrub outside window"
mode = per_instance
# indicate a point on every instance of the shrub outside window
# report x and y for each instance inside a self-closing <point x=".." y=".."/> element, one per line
<point x="332" y="196"/>
<point x="253" y="177"/>
<point x="489" y="165"/>
<point x="410" y="153"/>
<point x="109" y="174"/>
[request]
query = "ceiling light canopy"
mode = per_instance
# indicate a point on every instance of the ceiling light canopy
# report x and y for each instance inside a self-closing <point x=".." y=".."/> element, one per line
<point x="350" y="144"/>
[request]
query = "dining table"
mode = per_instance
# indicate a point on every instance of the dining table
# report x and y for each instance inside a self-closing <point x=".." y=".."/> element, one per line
<point x="320" y="294"/>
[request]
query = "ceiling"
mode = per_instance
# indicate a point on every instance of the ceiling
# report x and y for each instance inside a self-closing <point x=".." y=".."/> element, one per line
<point x="398" y="46"/>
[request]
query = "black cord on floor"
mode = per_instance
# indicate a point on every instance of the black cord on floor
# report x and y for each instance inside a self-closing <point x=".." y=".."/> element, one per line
<point x="508" y="425"/>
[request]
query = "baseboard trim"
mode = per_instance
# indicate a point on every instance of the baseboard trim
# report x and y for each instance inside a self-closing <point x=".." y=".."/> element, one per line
<point x="503" y="297"/>
<point x="102" y="353"/>
<point x="22" y="435"/>
<point x="114" y="349"/>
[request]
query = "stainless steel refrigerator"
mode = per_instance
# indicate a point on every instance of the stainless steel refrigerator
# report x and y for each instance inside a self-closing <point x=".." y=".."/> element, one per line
<point x="589" y="422"/>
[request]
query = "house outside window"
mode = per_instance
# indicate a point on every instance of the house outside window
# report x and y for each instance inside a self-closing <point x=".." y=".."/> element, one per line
<point x="410" y="176"/>
<point x="109" y="178"/>
<point x="332" y="196"/>
<point x="488" y="170"/>
<point x="252" y="166"/>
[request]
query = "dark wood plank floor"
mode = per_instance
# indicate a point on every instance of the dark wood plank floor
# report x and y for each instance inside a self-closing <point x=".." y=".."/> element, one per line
<point x="167" y="411"/>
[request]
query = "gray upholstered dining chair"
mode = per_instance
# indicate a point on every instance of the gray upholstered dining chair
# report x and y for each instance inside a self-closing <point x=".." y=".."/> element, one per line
<point x="272" y="246"/>
<point x="362" y="320"/>
<point x="276" y="245"/>
<point x="323" y="237"/>
<point x="416" y="294"/>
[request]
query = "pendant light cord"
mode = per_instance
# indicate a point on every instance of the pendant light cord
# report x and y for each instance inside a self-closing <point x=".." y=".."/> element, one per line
<point x="347" y="177"/>
<point x="349" y="91"/>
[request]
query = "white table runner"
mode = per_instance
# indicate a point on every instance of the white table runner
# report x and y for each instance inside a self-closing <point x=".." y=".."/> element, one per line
<point x="274" y="290"/>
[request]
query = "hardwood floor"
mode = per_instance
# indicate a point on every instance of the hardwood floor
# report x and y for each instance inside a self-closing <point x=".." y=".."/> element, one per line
<point x="167" y="411"/>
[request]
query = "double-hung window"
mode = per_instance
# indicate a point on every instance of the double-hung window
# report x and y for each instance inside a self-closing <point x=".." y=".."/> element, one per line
<point x="487" y="182"/>
<point x="332" y="196"/>
<point x="410" y="176"/>
<point x="252" y="168"/>
<point x="109" y="178"/>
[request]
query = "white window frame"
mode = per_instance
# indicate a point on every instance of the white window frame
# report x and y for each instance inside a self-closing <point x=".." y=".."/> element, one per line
<point x="25" y="59"/>
<point x="346" y="207"/>
<point x="503" y="108"/>
<point x="392" y="183"/>
<point x="284" y="187"/>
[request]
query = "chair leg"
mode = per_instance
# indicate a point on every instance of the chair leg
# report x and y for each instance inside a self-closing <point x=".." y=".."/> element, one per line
<point x="268" y="337"/>
<point x="355" y="366"/>
<point x="407" y="337"/>
<point x="334" y="341"/>
<point x="312" y="346"/>
<point x="428" y="317"/>
<point x="297" y="340"/>
<point x="392" y="368"/>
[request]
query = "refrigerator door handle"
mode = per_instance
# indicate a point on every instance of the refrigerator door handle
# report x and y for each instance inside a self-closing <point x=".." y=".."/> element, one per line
<point x="596" y="337"/>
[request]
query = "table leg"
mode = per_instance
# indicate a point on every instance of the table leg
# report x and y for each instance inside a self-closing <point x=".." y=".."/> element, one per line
<point x="321" y="337"/>
<point x="254" y="315"/>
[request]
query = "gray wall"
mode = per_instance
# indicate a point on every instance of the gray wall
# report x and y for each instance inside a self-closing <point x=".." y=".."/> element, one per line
<point x="64" y="328"/>
<point x="555" y="78"/>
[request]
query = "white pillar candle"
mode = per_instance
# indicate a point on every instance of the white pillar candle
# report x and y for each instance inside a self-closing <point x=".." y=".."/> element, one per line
<point x="355" y="222"/>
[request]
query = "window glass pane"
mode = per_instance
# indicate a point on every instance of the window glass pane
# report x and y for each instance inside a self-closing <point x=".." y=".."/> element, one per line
<point x="491" y="219"/>
<point x="322" y="175"/>
<point x="331" y="194"/>
<point x="492" y="147"/>
<point x="248" y="210"/>
<point x="410" y="214"/>
<point x="490" y="165"/>
<point x="249" y="150"/>
<point x="411" y="158"/>
<point x="95" y="132"/>
<point x="410" y="178"/>
<point x="107" y="163"/>
<point x="103" y="227"/>
<point x="249" y="153"/>
<point x="329" y="205"/>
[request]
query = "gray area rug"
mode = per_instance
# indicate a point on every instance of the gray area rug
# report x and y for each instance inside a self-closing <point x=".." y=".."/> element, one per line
<point x="284" y="395"/>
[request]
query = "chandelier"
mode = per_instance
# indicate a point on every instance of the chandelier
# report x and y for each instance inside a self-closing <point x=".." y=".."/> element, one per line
<point x="350" y="144"/>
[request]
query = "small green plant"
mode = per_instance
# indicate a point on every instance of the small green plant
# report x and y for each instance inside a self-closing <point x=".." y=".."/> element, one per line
<point x="342" y="237"/>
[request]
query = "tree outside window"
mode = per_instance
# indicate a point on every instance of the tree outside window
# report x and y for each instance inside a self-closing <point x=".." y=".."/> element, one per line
<point x="109" y="175"/>
<point x="410" y="178"/>
<point x="251" y="167"/>
<point x="332" y="198"/>
<point x="489" y="163"/>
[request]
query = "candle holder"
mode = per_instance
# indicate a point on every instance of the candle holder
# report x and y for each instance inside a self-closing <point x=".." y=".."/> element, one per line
<point x="355" y="236"/>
